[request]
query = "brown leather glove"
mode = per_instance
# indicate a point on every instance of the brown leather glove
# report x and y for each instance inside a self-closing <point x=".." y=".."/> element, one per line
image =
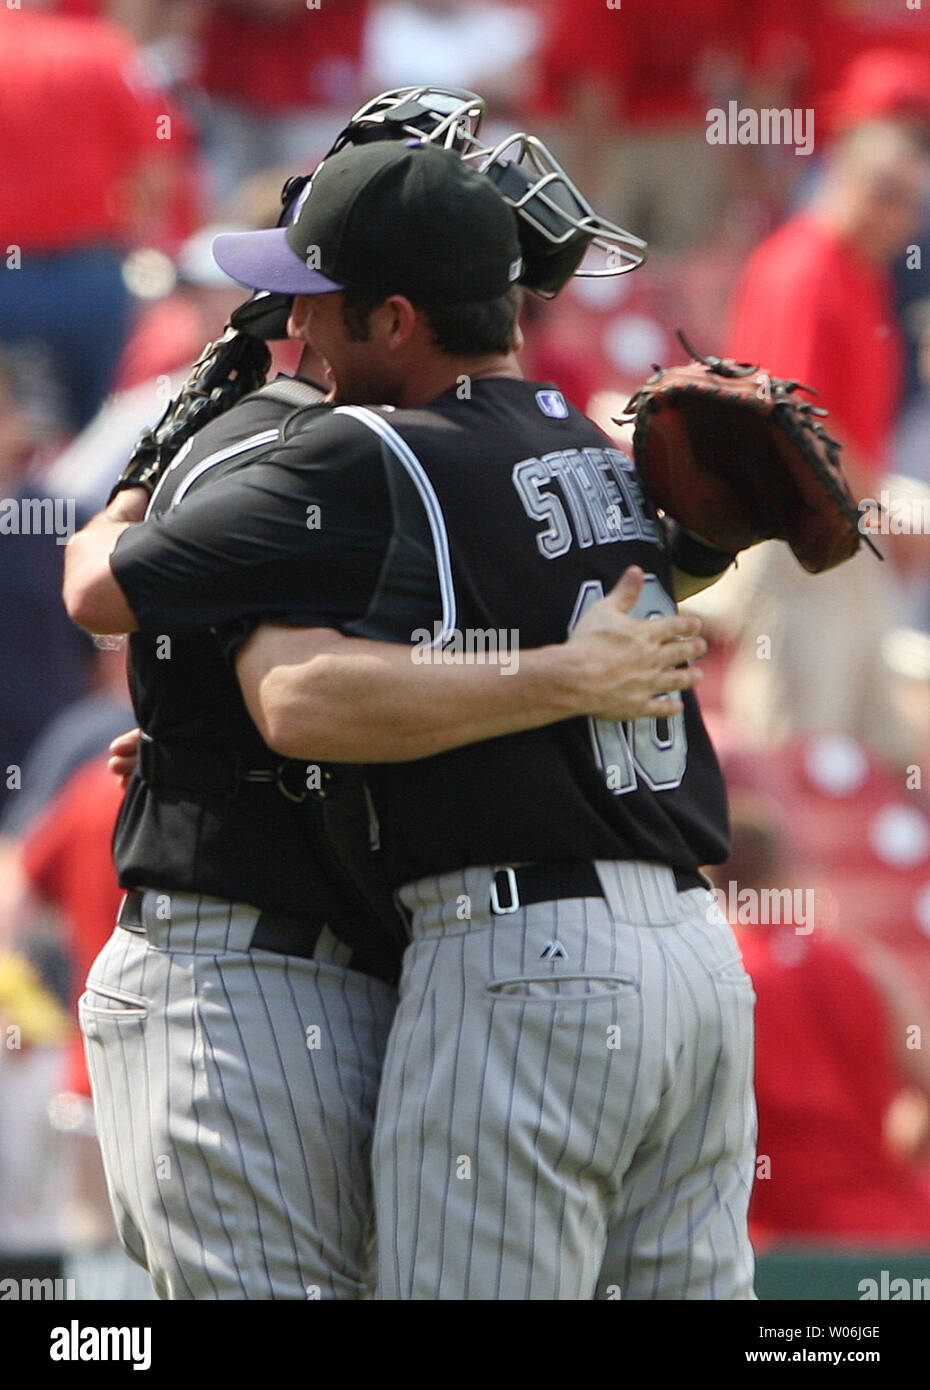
<point x="737" y="456"/>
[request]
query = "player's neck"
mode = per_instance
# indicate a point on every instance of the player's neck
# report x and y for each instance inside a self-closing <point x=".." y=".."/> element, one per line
<point x="445" y="373"/>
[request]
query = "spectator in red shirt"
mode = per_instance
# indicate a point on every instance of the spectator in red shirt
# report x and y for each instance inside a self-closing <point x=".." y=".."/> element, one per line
<point x="816" y="300"/>
<point x="831" y="1056"/>
<point x="815" y="304"/>
<point x="85" y="174"/>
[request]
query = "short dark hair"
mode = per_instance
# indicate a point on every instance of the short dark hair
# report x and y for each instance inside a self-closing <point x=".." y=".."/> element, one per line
<point x="461" y="330"/>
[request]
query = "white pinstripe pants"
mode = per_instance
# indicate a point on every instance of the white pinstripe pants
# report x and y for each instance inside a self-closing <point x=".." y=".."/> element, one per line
<point x="234" y="1094"/>
<point x="572" y="1123"/>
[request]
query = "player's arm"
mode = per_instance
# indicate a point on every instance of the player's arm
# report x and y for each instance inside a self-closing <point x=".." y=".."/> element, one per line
<point x="92" y="595"/>
<point x="241" y="546"/>
<point x="314" y="693"/>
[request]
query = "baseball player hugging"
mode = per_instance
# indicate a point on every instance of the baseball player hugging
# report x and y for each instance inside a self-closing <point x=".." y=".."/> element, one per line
<point x="236" y="1021"/>
<point x="565" y="1107"/>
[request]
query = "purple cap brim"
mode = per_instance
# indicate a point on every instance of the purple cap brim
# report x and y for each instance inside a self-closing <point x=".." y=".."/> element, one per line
<point x="265" y="261"/>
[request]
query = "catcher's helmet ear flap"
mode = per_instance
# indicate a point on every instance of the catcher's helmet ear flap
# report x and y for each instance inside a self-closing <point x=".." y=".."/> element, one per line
<point x="560" y="233"/>
<point x="448" y="116"/>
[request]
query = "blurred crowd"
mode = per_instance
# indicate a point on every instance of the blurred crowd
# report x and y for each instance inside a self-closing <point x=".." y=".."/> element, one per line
<point x="134" y="130"/>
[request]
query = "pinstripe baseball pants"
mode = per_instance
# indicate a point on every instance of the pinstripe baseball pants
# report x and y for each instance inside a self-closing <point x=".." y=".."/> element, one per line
<point x="566" y="1107"/>
<point x="234" y="1093"/>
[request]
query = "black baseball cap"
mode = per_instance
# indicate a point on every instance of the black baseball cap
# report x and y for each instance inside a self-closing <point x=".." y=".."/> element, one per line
<point x="390" y="218"/>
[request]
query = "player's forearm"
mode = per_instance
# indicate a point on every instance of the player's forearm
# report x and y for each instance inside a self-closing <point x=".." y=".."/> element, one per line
<point x="314" y="693"/>
<point x="375" y="703"/>
<point x="91" y="593"/>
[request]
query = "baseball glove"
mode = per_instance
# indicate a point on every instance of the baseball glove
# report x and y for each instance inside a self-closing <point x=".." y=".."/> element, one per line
<point x="737" y="456"/>
<point x="226" y="370"/>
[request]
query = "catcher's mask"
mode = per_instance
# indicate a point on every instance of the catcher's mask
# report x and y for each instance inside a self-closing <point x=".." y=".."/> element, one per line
<point x="447" y="116"/>
<point x="560" y="233"/>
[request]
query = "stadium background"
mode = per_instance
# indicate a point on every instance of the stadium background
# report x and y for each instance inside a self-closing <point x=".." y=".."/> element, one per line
<point x="140" y="127"/>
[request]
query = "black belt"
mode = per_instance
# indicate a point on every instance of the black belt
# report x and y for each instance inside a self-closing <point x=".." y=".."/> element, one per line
<point x="282" y="935"/>
<point x="512" y="889"/>
<point x="219" y="772"/>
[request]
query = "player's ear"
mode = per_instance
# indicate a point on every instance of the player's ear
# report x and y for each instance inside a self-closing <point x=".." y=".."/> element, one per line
<point x="397" y="321"/>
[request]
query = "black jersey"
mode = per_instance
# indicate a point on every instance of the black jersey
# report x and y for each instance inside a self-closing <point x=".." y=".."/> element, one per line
<point x="533" y="514"/>
<point x="489" y="519"/>
<point x="194" y="562"/>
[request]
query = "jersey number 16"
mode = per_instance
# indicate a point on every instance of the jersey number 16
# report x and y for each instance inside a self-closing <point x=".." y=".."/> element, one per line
<point x="656" y="749"/>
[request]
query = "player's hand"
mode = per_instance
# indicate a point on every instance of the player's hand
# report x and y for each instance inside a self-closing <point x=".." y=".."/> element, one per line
<point x="129" y="505"/>
<point x="626" y="663"/>
<point x="124" y="751"/>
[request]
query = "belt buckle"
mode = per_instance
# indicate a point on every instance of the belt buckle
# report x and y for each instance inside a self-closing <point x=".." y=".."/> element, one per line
<point x="513" y="892"/>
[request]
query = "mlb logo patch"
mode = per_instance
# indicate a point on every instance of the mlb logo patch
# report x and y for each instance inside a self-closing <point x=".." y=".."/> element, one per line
<point x="552" y="403"/>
